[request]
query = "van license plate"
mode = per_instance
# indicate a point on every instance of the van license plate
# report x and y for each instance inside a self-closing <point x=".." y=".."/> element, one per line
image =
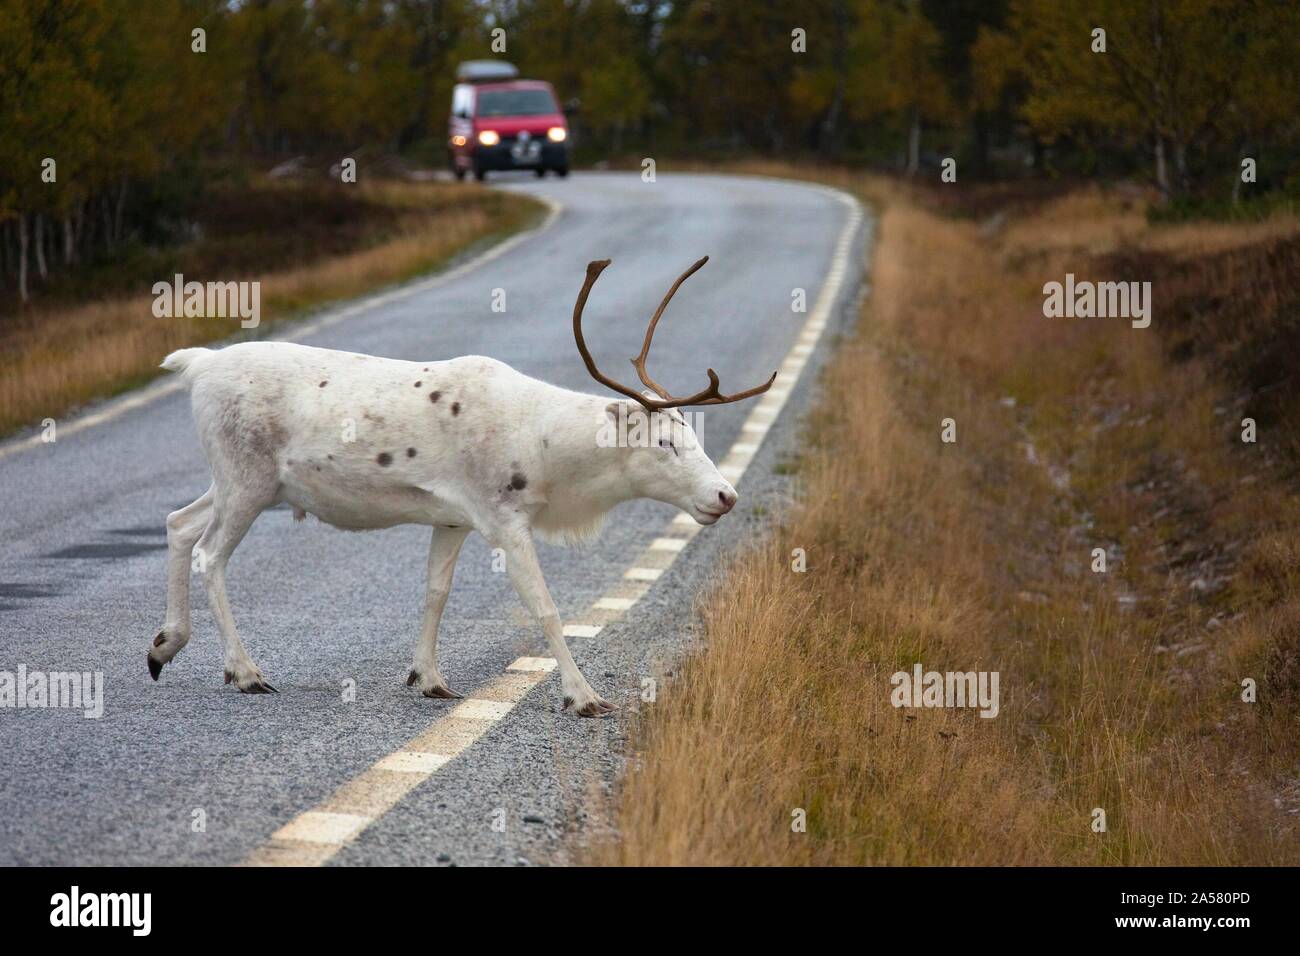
<point x="526" y="150"/>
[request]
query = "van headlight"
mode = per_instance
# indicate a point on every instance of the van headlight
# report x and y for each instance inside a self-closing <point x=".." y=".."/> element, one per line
<point x="557" y="134"/>
<point x="489" y="137"/>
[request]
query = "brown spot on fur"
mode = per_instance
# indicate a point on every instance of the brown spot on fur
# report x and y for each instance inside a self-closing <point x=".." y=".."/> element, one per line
<point x="159" y="640"/>
<point x="518" y="482"/>
<point x="434" y="396"/>
<point x="324" y="383"/>
<point x="384" y="459"/>
<point x="410" y="453"/>
<point x="455" y="408"/>
<point x="418" y="384"/>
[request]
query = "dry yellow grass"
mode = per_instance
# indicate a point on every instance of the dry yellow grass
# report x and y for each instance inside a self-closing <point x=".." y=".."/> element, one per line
<point x="54" y="361"/>
<point x="1095" y="221"/>
<point x="1119" y="691"/>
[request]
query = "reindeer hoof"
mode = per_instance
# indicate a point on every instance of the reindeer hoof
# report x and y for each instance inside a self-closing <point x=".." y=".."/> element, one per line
<point x="593" y="708"/>
<point x="439" y="691"/>
<point x="256" y="685"/>
<point x="443" y="693"/>
<point x="156" y="666"/>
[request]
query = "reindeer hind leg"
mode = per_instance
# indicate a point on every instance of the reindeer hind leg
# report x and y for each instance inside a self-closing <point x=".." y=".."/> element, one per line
<point x="184" y="528"/>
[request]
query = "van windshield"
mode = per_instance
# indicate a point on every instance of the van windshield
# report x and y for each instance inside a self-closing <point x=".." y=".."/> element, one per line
<point x="515" y="103"/>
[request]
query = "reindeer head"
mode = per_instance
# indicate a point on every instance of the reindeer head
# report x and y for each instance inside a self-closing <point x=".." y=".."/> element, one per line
<point x="665" y="460"/>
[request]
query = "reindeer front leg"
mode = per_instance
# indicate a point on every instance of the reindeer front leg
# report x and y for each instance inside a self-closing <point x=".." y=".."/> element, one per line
<point x="526" y="575"/>
<point x="443" y="551"/>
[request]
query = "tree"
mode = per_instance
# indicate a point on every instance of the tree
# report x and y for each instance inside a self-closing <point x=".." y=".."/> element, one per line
<point x="727" y="68"/>
<point x="51" y="109"/>
<point x="1174" y="74"/>
<point x="897" y="71"/>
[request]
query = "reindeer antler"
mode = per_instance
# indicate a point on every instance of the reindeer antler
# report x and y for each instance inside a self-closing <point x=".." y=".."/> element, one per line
<point x="711" y="395"/>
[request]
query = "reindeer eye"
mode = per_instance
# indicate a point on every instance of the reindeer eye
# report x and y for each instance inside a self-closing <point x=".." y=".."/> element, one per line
<point x="667" y="443"/>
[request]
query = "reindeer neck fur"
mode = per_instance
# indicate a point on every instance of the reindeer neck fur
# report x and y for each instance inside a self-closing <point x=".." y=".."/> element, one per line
<point x="583" y="480"/>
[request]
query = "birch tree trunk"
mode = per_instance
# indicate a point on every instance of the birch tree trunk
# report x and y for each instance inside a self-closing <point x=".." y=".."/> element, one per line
<point x="1162" y="170"/>
<point x="914" y="144"/>
<point x="117" y="212"/>
<point x="40" y="246"/>
<point x="22" y="256"/>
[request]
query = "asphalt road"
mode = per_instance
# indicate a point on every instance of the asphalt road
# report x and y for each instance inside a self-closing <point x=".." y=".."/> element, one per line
<point x="83" y="554"/>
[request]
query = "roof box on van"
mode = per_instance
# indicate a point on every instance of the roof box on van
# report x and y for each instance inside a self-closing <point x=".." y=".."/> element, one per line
<point x="485" y="71"/>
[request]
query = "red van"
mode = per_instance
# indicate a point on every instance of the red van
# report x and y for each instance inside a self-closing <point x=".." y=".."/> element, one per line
<point x="499" y="121"/>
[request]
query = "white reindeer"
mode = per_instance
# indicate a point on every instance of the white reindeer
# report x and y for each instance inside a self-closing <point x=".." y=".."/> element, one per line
<point x="460" y="445"/>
